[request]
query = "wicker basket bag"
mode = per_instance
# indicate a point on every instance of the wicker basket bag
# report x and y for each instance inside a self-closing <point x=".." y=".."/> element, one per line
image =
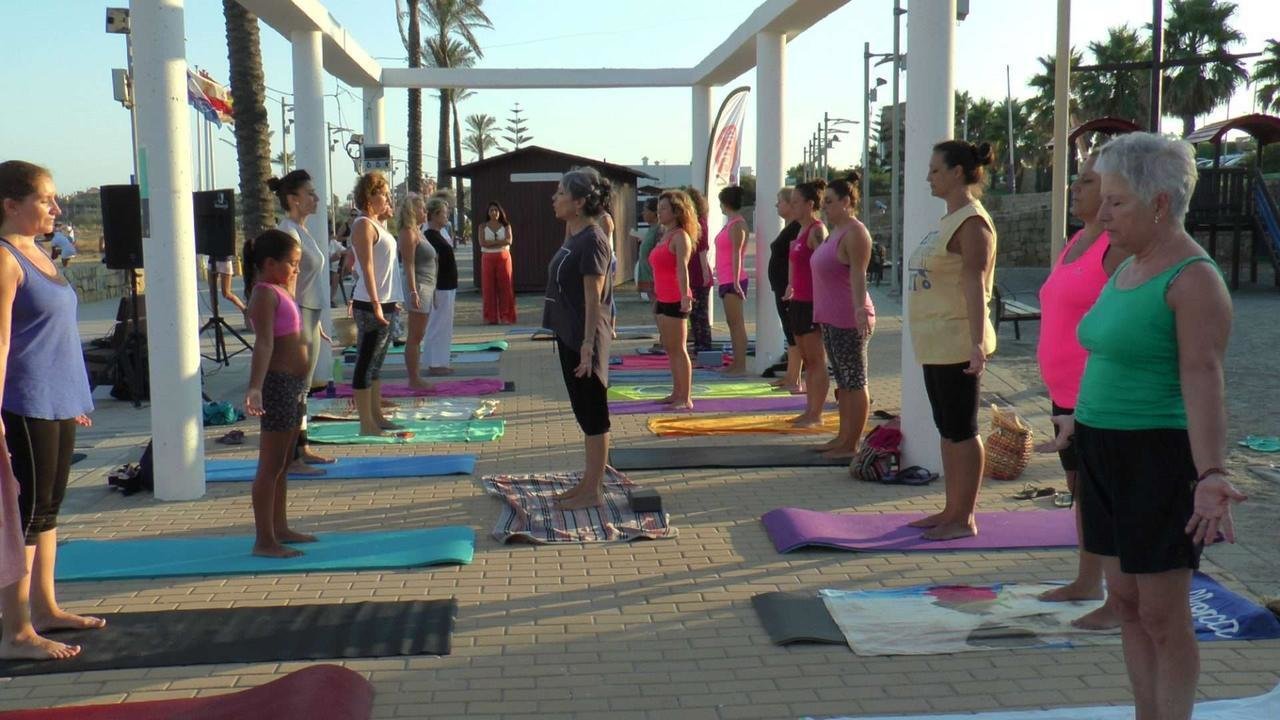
<point x="1009" y="446"/>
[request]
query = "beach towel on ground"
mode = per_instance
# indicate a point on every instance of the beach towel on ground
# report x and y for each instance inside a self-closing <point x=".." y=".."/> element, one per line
<point x="781" y="402"/>
<point x="406" y="409"/>
<point x="443" y="388"/>
<point x="351" y="468"/>
<point x="530" y="513"/>
<point x="658" y="391"/>
<point x="424" y="431"/>
<point x="739" y="424"/>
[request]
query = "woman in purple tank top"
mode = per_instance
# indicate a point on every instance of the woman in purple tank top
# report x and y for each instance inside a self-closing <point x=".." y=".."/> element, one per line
<point x="46" y="394"/>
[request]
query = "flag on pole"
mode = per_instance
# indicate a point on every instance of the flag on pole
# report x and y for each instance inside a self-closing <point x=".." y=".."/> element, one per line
<point x="724" y="161"/>
<point x="210" y="99"/>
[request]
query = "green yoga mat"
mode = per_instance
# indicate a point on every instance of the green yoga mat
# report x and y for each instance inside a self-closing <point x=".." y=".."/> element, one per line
<point x="230" y="555"/>
<point x="700" y="390"/>
<point x="424" y="431"/>
<point x="490" y="346"/>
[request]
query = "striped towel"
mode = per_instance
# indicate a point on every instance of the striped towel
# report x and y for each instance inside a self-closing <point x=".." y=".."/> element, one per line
<point x="531" y="514"/>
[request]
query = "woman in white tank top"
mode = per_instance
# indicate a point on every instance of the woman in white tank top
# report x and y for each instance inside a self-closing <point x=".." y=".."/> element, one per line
<point x="373" y="302"/>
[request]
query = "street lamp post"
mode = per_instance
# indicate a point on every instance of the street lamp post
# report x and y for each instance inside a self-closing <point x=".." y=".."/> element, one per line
<point x="333" y="145"/>
<point x="871" y="96"/>
<point x="830" y="136"/>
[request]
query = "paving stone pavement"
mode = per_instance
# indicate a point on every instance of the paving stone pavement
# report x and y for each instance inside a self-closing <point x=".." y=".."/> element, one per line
<point x="660" y="629"/>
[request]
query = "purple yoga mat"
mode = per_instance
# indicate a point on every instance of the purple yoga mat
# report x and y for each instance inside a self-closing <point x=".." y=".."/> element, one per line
<point x="647" y="362"/>
<point x="792" y="528"/>
<point x="441" y="388"/>
<point x="713" y="405"/>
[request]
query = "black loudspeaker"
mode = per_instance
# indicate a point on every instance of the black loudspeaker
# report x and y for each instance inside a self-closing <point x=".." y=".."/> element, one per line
<point x="122" y="226"/>
<point x="215" y="219"/>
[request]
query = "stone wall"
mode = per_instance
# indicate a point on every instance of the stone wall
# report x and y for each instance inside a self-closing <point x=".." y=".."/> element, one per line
<point x="94" y="282"/>
<point x="1022" y="225"/>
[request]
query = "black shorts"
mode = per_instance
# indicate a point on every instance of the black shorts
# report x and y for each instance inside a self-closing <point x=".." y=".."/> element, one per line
<point x="284" y="398"/>
<point x="801" y="317"/>
<point x="588" y="397"/>
<point x="953" y="396"/>
<point x="727" y="289"/>
<point x="1067" y="456"/>
<point x="671" y="310"/>
<point x="1136" y="494"/>
<point x="784" y="314"/>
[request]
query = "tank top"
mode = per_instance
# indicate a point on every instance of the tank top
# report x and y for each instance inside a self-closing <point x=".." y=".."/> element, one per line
<point x="1131" y="380"/>
<point x="666" y="286"/>
<point x="801" y="273"/>
<point x="46" y="377"/>
<point x="724" y="255"/>
<point x="936" y="306"/>
<point x="696" y="248"/>
<point x="492" y="235"/>
<point x="1065" y="297"/>
<point x="288" y="320"/>
<point x="384" y="263"/>
<point x="313" y="267"/>
<point x="832" y="287"/>
<point x="425" y="268"/>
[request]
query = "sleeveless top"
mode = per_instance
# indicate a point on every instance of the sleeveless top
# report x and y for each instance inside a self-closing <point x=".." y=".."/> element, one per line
<point x="697" y="247"/>
<point x="46" y="377"/>
<point x="1131" y="380"/>
<point x="313" y="267"/>
<point x="425" y="268"/>
<point x="1065" y="297"/>
<point x="644" y="272"/>
<point x="288" y="321"/>
<point x="724" y="255"/>
<point x="801" y="272"/>
<point x="491" y="235"/>
<point x="936" y="306"/>
<point x="384" y="263"/>
<point x="832" y="287"/>
<point x="666" y="286"/>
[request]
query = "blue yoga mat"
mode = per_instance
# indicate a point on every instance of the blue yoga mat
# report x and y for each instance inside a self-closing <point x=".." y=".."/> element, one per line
<point x="230" y="555"/>
<point x="351" y="468"/>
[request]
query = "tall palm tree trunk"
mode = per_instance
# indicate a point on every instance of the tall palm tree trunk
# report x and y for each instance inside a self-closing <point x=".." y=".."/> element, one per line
<point x="415" y="102"/>
<point x="442" y="142"/>
<point x="249" y="108"/>
<point x="457" y="157"/>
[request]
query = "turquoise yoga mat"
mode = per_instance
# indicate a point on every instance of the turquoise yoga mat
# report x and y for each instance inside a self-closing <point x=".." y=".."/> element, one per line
<point x="352" y="468"/>
<point x="424" y="431"/>
<point x="230" y="555"/>
<point x="490" y="346"/>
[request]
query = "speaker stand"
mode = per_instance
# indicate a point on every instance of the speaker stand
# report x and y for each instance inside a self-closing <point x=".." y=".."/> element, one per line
<point x="220" y="326"/>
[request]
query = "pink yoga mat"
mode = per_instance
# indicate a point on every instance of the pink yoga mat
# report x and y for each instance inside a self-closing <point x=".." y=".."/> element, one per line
<point x="793" y="528"/>
<point x="646" y="362"/>
<point x="782" y="402"/>
<point x="442" y="388"/>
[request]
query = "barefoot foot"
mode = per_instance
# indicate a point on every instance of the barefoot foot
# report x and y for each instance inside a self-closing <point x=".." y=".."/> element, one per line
<point x="1104" y="618"/>
<point x="418" y="383"/>
<point x="374" y="431"/>
<point x="927" y="522"/>
<point x="62" y="620"/>
<point x="275" y="551"/>
<point x="950" y="531"/>
<point x="582" y="501"/>
<point x="33" y="647"/>
<point x="1072" y="592"/>
<point x="300" y="467"/>
<point x="312" y="458"/>
<point x="840" y="453"/>
<point x="293" y="536"/>
<point x="386" y="424"/>
<point x="806" y="420"/>
<point x="439" y="371"/>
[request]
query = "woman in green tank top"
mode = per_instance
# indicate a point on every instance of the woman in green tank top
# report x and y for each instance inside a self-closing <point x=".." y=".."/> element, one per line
<point x="1150" y="420"/>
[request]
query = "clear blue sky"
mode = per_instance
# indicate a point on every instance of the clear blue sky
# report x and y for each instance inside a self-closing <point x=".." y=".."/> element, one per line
<point x="61" y="112"/>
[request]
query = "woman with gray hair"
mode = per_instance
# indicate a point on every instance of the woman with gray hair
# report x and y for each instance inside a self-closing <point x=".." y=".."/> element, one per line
<point x="579" y="293"/>
<point x="1150" y="421"/>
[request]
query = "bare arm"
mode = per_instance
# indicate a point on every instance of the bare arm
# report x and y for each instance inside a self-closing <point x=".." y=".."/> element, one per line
<point x="407" y="243"/>
<point x="262" y="313"/>
<point x="856" y="246"/>
<point x="817" y="236"/>
<point x="10" y="277"/>
<point x="738" y="240"/>
<point x="681" y="246"/>
<point x="975" y="240"/>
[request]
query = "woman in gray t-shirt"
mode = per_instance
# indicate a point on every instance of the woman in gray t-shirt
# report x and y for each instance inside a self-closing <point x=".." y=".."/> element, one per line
<point x="420" y="267"/>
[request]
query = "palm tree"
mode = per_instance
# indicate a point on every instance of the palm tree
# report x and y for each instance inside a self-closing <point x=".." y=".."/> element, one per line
<point x="452" y="43"/>
<point x="1117" y="93"/>
<point x="284" y="159"/>
<point x="480" y="138"/>
<point x="249" y="109"/>
<point x="1198" y="28"/>
<point x="411" y="36"/>
<point x="1041" y="105"/>
<point x="1266" y="75"/>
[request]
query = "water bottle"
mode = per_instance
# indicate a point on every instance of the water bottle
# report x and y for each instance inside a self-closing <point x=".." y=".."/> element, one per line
<point x="337" y="369"/>
<point x="330" y="391"/>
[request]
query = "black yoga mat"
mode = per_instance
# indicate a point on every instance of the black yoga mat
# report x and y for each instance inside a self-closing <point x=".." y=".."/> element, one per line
<point x="718" y="456"/>
<point x="797" y="617"/>
<point x="254" y="634"/>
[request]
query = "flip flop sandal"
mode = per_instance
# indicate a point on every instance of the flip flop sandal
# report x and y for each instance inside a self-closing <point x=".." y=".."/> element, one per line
<point x="235" y="437"/>
<point x="1259" y="443"/>
<point x="1031" y="491"/>
<point x="1064" y="499"/>
<point x="405" y="435"/>
<point x="913" y="475"/>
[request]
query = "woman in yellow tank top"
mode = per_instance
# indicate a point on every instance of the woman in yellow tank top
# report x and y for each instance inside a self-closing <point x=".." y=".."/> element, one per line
<point x="950" y="278"/>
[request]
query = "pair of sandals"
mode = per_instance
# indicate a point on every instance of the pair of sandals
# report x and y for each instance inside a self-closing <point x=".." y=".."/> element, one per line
<point x="1031" y="491"/>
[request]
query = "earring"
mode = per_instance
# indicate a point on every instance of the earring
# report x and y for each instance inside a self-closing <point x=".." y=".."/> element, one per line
<point x="1156" y="221"/>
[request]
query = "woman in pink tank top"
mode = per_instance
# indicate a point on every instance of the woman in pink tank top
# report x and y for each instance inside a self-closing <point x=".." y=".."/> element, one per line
<point x="805" y="201"/>
<point x="1077" y="278"/>
<point x="731" y="275"/>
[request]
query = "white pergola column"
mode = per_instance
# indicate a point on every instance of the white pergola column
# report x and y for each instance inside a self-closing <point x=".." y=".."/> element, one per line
<point x="771" y="64"/>
<point x="930" y="119"/>
<point x="312" y="151"/>
<point x="173" y="323"/>
<point x="700" y="134"/>
<point x="1061" y="123"/>
<point x="375" y="122"/>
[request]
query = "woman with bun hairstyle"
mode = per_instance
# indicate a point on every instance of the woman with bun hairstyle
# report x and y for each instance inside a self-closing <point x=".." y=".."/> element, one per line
<point x="951" y="275"/>
<point x="779" y="276"/>
<point x="805" y="203"/>
<point x="373" y="303"/>
<point x="419" y="262"/>
<point x="298" y="199"/>
<point x="701" y="279"/>
<point x="844" y="311"/>
<point x="576" y="310"/>
<point x="673" y="296"/>
<point x="731" y="275"/>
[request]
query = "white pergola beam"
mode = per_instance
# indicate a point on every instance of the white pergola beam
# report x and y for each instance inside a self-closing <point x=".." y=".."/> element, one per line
<point x="343" y="56"/>
<point x="737" y="54"/>
<point x="535" y="78"/>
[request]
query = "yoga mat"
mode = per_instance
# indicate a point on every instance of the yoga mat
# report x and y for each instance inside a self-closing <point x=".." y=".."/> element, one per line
<point x="442" y="388"/>
<point x="255" y="635"/>
<point x="474" y="358"/>
<point x="685" y="425"/>
<point x="424" y="431"/>
<point x="793" y="528"/>
<point x="796" y="617"/>
<point x="77" y="457"/>
<point x="400" y="373"/>
<point x="530" y="513"/>
<point x="352" y="468"/>
<point x="407" y="408"/>
<point x="700" y="390"/>
<point x="644" y="377"/>
<point x="1249" y="708"/>
<point x="317" y="691"/>
<point x="230" y="554"/>
<point x="471" y="347"/>
<point x="672" y="457"/>
<point x="774" y="403"/>
<point x="644" y="362"/>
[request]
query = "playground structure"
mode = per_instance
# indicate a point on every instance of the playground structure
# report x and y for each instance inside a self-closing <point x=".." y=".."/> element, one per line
<point x="1236" y="199"/>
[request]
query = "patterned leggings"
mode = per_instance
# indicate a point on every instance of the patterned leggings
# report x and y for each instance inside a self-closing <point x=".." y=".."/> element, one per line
<point x="700" y="319"/>
<point x="847" y="353"/>
<point x="372" y="342"/>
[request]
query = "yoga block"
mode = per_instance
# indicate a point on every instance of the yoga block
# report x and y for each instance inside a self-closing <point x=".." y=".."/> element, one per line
<point x="645" y="500"/>
<point x="709" y="358"/>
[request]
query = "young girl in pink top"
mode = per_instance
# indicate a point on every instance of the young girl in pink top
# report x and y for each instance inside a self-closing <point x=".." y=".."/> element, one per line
<point x="805" y="201"/>
<point x="731" y="275"/>
<point x="1075" y="282"/>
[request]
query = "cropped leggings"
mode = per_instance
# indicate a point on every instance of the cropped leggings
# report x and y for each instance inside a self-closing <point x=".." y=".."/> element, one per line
<point x="41" y="456"/>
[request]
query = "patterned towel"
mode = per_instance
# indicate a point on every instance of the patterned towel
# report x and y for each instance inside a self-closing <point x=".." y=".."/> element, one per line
<point x="415" y="408"/>
<point x="443" y="388"/>
<point x="531" y="515"/>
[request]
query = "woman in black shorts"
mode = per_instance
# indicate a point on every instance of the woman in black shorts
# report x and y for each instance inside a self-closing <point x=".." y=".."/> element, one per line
<point x="805" y="202"/>
<point x="670" y="262"/>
